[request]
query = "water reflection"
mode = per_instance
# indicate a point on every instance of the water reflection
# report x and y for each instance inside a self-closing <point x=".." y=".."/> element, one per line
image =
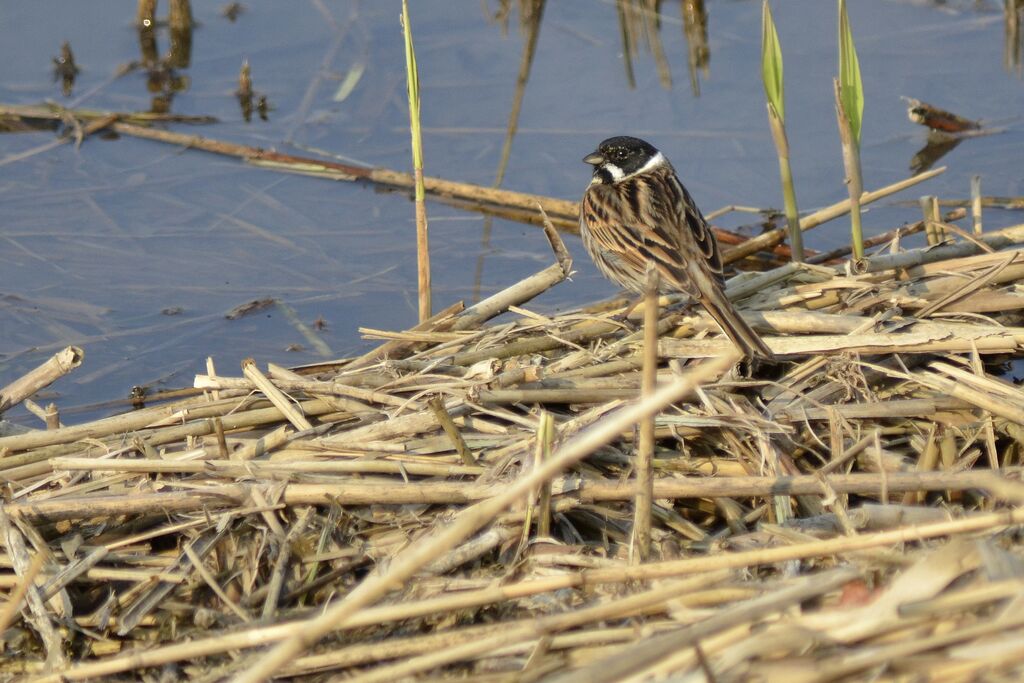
<point x="695" y="29"/>
<point x="1013" y="45"/>
<point x="162" y="77"/>
<point x="248" y="99"/>
<point x="640" y="23"/>
<point x="531" y="12"/>
<point x="64" y="69"/>
<point x="938" y="145"/>
<point x="232" y="11"/>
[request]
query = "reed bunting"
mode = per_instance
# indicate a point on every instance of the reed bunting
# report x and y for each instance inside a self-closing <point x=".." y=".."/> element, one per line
<point x="636" y="212"/>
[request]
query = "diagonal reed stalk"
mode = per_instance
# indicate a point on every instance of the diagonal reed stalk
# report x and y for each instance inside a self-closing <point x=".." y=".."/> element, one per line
<point x="413" y="90"/>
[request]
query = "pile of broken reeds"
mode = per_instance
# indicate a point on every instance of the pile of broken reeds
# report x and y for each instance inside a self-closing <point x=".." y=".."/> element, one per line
<point x="459" y="502"/>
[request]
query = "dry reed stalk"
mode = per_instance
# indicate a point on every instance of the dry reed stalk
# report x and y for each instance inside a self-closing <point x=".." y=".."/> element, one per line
<point x="885" y="237"/>
<point x="976" y="204"/>
<point x="60" y="364"/>
<point x="37" y="614"/>
<point x="542" y="627"/>
<point x="25" y="582"/>
<point x="892" y="408"/>
<point x="128" y="422"/>
<point x="644" y="467"/>
<point x="545" y="444"/>
<point x="991" y="340"/>
<point x="452" y="430"/>
<point x="274" y="395"/>
<point x="520" y="293"/>
<point x="263" y="445"/>
<point x="643" y="655"/>
<point x="916" y="257"/>
<point x="368" y="492"/>
<point x="980" y="399"/>
<point x="360" y="398"/>
<point x="440" y="320"/>
<point x="34" y="463"/>
<point x="930" y="210"/>
<point x="563" y="210"/>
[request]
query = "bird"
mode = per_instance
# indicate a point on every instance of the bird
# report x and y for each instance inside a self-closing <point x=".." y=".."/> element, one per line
<point x="636" y="212"/>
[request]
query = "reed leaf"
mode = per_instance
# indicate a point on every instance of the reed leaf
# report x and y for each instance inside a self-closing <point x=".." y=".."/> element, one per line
<point x="771" y="71"/>
<point x="851" y="90"/>
<point x="771" y="62"/>
<point x="413" y="90"/>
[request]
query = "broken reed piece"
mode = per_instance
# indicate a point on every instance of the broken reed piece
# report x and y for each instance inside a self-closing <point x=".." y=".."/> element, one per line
<point x="976" y="203"/>
<point x="275" y="395"/>
<point x="436" y="405"/>
<point x="930" y="212"/>
<point x="60" y="364"/>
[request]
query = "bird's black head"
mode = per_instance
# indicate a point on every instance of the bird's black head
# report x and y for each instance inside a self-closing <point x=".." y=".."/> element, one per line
<point x="621" y="157"/>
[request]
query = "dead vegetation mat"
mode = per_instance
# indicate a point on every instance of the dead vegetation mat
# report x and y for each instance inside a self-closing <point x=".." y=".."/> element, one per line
<point x="459" y="502"/>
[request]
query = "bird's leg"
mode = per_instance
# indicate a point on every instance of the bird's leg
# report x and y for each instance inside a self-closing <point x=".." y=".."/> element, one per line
<point x="624" y="316"/>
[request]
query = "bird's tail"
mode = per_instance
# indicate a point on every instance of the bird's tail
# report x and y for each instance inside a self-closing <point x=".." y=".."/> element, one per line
<point x="713" y="298"/>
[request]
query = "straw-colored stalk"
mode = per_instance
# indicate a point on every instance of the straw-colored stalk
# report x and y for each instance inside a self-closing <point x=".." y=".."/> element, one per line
<point x="930" y="211"/>
<point x="451" y="429"/>
<point x="413" y="90"/>
<point x="545" y="440"/>
<point x="772" y="73"/>
<point x="976" y="203"/>
<point x="14" y="599"/>
<point x="645" y="451"/>
<point x="58" y="365"/>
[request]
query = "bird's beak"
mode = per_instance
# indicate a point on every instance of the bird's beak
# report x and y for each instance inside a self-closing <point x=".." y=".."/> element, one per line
<point x="594" y="159"/>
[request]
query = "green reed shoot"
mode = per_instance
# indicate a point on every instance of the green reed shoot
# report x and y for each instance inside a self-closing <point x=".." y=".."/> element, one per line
<point x="413" y="90"/>
<point x="849" y="93"/>
<point x="771" y="71"/>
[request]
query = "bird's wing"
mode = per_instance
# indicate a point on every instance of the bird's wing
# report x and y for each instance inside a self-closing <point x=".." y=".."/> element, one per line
<point x="693" y="227"/>
<point x="653" y="219"/>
